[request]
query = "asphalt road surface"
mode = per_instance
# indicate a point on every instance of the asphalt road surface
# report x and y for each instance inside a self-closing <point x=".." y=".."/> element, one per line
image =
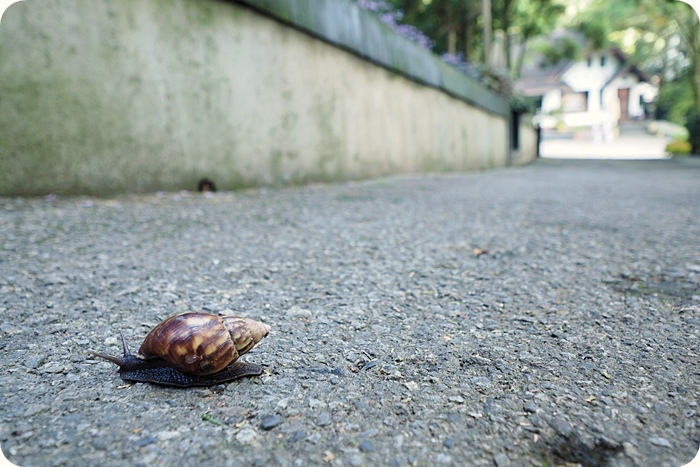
<point x="542" y="315"/>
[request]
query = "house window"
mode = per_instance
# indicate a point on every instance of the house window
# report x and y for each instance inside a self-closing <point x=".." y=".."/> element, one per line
<point x="574" y="101"/>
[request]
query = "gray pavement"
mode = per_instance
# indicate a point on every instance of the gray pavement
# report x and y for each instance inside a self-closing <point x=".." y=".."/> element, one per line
<point x="542" y="315"/>
<point x="633" y="142"/>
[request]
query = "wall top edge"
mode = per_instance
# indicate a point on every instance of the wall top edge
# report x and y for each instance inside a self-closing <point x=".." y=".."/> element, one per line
<point x="345" y="25"/>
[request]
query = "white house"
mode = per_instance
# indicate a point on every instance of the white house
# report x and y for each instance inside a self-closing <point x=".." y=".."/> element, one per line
<point x="598" y="90"/>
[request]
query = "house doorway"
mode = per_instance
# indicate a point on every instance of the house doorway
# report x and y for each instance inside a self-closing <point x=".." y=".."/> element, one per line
<point x="623" y="94"/>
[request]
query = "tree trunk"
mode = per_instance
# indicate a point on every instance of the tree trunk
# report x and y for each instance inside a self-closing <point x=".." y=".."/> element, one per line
<point x="452" y="41"/>
<point x="486" y="15"/>
<point x="521" y="58"/>
<point x="692" y="37"/>
<point x="467" y="42"/>
<point x="689" y="27"/>
<point x="695" y="82"/>
<point x="506" y="21"/>
<point x="506" y="38"/>
<point x="467" y="33"/>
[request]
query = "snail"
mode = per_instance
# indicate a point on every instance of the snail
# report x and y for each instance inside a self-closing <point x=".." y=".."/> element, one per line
<point x="193" y="349"/>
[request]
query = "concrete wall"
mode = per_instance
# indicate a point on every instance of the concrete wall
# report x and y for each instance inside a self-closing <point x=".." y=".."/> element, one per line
<point x="105" y="96"/>
<point x="528" y="142"/>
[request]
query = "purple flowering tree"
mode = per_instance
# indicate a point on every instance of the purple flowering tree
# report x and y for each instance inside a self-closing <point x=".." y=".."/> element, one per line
<point x="392" y="17"/>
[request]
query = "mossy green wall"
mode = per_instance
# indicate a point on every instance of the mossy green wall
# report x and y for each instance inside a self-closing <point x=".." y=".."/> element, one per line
<point x="107" y="96"/>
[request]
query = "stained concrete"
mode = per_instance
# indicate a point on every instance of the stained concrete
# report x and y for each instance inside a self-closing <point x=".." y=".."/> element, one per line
<point x="138" y="96"/>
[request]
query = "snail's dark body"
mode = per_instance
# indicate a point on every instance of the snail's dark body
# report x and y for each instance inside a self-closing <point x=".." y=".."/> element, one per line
<point x="186" y="341"/>
<point x="168" y="376"/>
<point x="158" y="371"/>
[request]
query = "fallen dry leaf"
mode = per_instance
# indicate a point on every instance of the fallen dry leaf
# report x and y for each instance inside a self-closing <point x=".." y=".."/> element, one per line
<point x="479" y="251"/>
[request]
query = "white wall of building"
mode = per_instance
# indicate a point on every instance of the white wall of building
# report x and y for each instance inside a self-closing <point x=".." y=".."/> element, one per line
<point x="594" y="76"/>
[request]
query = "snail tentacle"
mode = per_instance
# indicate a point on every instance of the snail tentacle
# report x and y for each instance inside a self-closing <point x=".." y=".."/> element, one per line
<point x="115" y="360"/>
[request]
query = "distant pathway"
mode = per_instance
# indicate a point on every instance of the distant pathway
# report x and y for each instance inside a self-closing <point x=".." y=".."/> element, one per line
<point x="632" y="143"/>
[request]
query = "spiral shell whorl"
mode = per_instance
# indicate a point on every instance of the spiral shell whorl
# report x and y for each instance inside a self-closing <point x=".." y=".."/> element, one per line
<point x="245" y="332"/>
<point x="200" y="343"/>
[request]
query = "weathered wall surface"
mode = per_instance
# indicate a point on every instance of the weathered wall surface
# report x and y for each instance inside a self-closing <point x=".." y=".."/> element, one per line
<point x="528" y="142"/>
<point x="111" y="96"/>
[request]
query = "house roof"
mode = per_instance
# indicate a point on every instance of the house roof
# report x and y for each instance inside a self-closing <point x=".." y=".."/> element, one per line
<point x="626" y="68"/>
<point x="539" y="76"/>
<point x="539" y="82"/>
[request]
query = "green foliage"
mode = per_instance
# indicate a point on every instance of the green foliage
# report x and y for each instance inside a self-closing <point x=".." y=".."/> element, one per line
<point x="440" y="18"/>
<point x="678" y="147"/>
<point x="536" y="17"/>
<point x="596" y="33"/>
<point x="675" y="100"/>
<point x="462" y="21"/>
<point x="523" y="104"/>
<point x="495" y="79"/>
<point x="565" y="49"/>
<point x="693" y="127"/>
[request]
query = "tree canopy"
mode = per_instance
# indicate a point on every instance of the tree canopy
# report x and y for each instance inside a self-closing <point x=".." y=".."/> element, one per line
<point x="661" y="37"/>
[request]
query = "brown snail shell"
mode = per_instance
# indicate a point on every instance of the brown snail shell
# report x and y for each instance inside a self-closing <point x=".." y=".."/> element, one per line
<point x="200" y="343"/>
<point x="193" y="349"/>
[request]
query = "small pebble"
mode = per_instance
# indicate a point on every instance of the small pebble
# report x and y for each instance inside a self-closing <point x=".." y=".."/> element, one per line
<point x="34" y="409"/>
<point x="502" y="460"/>
<point x="530" y="407"/>
<point x="448" y="443"/>
<point x="53" y="367"/>
<point x="247" y="436"/>
<point x="270" y="422"/>
<point x="317" y="404"/>
<point x="33" y="362"/>
<point x="324" y="419"/>
<point x="366" y="446"/>
<point x="371" y="433"/>
<point x="537" y="421"/>
<point x="283" y="403"/>
<point x="561" y="426"/>
<point x="145" y="441"/>
<point x="101" y="444"/>
<point x="168" y="434"/>
<point x="657" y="441"/>
<point x="298" y="312"/>
<point x="296" y="436"/>
<point x="443" y="458"/>
<point x="411" y="386"/>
